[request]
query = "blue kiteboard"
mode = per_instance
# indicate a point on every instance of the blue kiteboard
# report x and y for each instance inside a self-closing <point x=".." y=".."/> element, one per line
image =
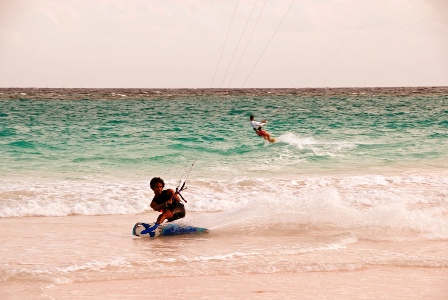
<point x="167" y="229"/>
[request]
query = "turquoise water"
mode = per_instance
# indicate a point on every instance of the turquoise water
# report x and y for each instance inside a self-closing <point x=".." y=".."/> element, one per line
<point x="60" y="138"/>
<point x="90" y="152"/>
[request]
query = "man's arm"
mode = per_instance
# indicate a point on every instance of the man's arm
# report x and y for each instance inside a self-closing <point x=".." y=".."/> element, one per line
<point x="158" y="207"/>
<point x="256" y="123"/>
<point x="174" y="196"/>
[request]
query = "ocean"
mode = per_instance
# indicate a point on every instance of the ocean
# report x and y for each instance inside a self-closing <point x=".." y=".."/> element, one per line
<point x="356" y="182"/>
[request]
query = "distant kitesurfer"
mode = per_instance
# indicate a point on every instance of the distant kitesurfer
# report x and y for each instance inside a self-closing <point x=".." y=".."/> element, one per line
<point x="165" y="201"/>
<point x="259" y="130"/>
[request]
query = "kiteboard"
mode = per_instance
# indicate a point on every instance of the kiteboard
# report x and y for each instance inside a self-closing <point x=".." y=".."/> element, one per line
<point x="168" y="229"/>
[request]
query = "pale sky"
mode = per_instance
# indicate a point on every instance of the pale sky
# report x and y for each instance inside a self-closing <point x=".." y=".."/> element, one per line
<point x="223" y="43"/>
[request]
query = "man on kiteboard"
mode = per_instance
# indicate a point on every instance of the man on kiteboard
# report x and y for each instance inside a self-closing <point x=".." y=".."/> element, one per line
<point x="258" y="130"/>
<point x="165" y="201"/>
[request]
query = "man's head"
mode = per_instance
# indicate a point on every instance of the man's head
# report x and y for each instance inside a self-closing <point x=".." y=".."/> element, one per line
<point x="251" y="117"/>
<point x="157" y="185"/>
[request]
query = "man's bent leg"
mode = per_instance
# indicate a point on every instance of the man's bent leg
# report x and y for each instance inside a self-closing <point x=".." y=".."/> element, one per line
<point x="167" y="214"/>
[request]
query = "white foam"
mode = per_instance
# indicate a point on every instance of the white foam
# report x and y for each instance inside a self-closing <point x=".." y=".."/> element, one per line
<point x="318" y="148"/>
<point x="400" y="201"/>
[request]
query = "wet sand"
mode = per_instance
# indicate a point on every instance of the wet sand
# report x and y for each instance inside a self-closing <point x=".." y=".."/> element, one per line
<point x="41" y="259"/>
<point x="380" y="283"/>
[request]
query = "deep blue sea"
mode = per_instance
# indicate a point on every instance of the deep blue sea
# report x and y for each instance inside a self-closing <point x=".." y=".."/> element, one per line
<point x="93" y="151"/>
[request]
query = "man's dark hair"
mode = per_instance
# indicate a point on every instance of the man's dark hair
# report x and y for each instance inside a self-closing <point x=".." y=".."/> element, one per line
<point x="251" y="117"/>
<point x="156" y="180"/>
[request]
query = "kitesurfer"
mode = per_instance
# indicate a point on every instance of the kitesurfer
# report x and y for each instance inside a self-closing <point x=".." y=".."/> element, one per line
<point x="165" y="201"/>
<point x="259" y="130"/>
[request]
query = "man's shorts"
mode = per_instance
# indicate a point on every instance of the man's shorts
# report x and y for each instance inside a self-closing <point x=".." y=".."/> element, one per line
<point x="261" y="133"/>
<point x="178" y="210"/>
